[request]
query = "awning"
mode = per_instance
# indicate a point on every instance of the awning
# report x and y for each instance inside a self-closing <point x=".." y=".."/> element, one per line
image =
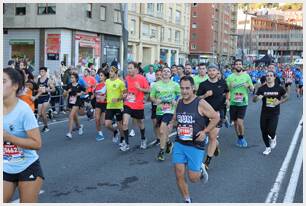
<point x="22" y="41"/>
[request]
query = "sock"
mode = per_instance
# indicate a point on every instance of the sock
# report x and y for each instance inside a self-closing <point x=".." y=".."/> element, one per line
<point x="240" y="136"/>
<point x="188" y="199"/>
<point x="121" y="139"/>
<point x="142" y="133"/>
<point x="207" y="161"/>
<point x="100" y="133"/>
<point x="126" y="136"/>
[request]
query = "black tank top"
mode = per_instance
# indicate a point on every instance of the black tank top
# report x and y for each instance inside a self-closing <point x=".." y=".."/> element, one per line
<point x="189" y="123"/>
<point x="43" y="84"/>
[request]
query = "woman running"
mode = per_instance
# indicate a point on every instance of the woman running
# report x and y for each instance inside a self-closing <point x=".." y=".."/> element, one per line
<point x="21" y="139"/>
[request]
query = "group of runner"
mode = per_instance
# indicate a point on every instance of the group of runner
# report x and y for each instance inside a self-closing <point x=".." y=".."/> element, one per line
<point x="196" y="105"/>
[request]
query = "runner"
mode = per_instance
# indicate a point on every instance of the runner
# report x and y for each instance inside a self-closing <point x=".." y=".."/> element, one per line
<point x="158" y="77"/>
<point x="45" y="87"/>
<point x="214" y="91"/>
<point x="21" y="139"/>
<point x="272" y="96"/>
<point x="164" y="94"/>
<point x="26" y="94"/>
<point x="115" y="88"/>
<point x="137" y="86"/>
<point x="298" y="80"/>
<point x="288" y="77"/>
<point x="201" y="77"/>
<point x="238" y="84"/>
<point x="188" y="151"/>
<point x="188" y="70"/>
<point x="74" y="90"/>
<point x="100" y="96"/>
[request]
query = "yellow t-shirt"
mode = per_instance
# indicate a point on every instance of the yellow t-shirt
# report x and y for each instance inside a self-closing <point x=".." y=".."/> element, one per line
<point x="114" y="89"/>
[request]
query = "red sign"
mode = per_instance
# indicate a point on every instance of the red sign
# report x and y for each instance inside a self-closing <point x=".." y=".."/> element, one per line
<point x="53" y="43"/>
<point x="89" y="41"/>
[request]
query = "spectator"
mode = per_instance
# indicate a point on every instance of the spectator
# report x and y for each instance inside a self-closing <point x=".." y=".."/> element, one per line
<point x="150" y="76"/>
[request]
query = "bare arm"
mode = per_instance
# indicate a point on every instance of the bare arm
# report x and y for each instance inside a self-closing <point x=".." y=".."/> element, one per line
<point x="33" y="141"/>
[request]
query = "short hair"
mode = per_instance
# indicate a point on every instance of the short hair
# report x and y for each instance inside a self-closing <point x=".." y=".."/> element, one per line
<point x="238" y="60"/>
<point x="202" y="64"/>
<point x="187" y="78"/>
<point x="43" y="68"/>
<point x="90" y="64"/>
<point x="134" y="64"/>
<point x="76" y="76"/>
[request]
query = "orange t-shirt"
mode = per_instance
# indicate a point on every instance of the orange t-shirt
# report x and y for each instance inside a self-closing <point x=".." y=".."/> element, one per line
<point x="26" y="96"/>
<point x="91" y="82"/>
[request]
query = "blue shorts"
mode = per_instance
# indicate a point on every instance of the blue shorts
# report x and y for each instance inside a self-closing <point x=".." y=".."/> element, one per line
<point x="183" y="154"/>
<point x="43" y="99"/>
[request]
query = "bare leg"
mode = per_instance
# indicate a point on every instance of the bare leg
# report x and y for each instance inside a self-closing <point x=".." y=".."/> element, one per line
<point x="29" y="190"/>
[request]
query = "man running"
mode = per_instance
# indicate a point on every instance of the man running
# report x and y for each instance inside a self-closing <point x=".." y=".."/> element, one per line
<point x="201" y="77"/>
<point x="137" y="86"/>
<point x="164" y="94"/>
<point x="238" y="84"/>
<point x="288" y="77"/>
<point x="214" y="91"/>
<point x="188" y="151"/>
<point x="45" y="86"/>
<point x="272" y="96"/>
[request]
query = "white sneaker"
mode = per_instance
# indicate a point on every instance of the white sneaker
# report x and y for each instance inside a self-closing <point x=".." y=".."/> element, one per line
<point x="273" y="143"/>
<point x="132" y="133"/>
<point x="204" y="174"/>
<point x="267" y="151"/>
<point x="125" y="147"/>
<point x="55" y="112"/>
<point x="114" y="125"/>
<point x="81" y="130"/>
<point x="143" y="144"/>
<point x="122" y="143"/>
<point x="69" y="135"/>
<point x="115" y="139"/>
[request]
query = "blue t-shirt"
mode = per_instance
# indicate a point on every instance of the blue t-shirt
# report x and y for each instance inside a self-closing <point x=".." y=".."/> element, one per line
<point x="81" y="81"/>
<point x="176" y="78"/>
<point x="17" y="122"/>
<point x="227" y="73"/>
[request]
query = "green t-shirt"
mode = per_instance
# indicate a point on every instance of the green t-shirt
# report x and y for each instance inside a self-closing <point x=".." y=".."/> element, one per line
<point x="197" y="80"/>
<point x="114" y="89"/>
<point x="238" y="92"/>
<point x="166" y="92"/>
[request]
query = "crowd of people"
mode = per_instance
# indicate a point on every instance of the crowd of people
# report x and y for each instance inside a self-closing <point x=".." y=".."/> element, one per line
<point x="195" y="105"/>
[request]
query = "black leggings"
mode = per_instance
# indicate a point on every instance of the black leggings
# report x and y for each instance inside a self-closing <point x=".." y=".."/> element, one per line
<point x="268" y="125"/>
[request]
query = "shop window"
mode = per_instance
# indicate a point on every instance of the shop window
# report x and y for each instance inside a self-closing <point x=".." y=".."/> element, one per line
<point x="89" y="10"/>
<point x="20" y="10"/>
<point x="46" y="9"/>
<point x="117" y="16"/>
<point x="102" y="13"/>
<point x="23" y="49"/>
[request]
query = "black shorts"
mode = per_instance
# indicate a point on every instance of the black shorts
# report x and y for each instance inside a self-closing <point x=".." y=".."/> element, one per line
<point x="153" y="111"/>
<point x="287" y="84"/>
<point x="79" y="103"/>
<point x="134" y="113"/>
<point x="43" y="99"/>
<point x="300" y="86"/>
<point x="237" y="112"/>
<point x="101" y="106"/>
<point x="111" y="113"/>
<point x="166" y="118"/>
<point x="220" y="123"/>
<point x="29" y="174"/>
<point x="93" y="103"/>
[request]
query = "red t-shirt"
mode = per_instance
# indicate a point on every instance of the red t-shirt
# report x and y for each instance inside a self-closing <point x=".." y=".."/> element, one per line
<point x="100" y="93"/>
<point x="135" y="98"/>
<point x="91" y="82"/>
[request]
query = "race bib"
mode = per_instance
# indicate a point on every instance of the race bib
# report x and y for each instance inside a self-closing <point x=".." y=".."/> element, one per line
<point x="72" y="99"/>
<point x="100" y="98"/>
<point x="11" y="153"/>
<point x="42" y="88"/>
<point x="238" y="98"/>
<point x="270" y="102"/>
<point x="185" y="133"/>
<point x="166" y="107"/>
<point x="131" y="98"/>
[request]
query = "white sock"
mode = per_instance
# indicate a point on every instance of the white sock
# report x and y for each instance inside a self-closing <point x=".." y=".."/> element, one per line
<point x="100" y="133"/>
<point x="188" y="199"/>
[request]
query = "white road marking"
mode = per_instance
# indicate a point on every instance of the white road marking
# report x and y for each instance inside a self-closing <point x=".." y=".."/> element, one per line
<point x="17" y="201"/>
<point x="273" y="194"/>
<point x="290" y="193"/>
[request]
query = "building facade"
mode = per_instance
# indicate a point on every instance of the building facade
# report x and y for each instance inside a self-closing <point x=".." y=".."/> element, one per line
<point x="158" y="32"/>
<point x="212" y="29"/>
<point x="76" y="33"/>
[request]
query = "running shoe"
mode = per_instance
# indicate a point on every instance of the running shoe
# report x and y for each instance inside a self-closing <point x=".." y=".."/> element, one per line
<point x="69" y="135"/>
<point x="143" y="144"/>
<point x="204" y="174"/>
<point x="226" y="123"/>
<point x="99" y="137"/>
<point x="55" y="112"/>
<point x="124" y="147"/>
<point x="116" y="136"/>
<point x="81" y="131"/>
<point x="161" y="156"/>
<point x="188" y="201"/>
<point x="244" y="143"/>
<point x="50" y="114"/>
<point x="154" y="143"/>
<point x="169" y="147"/>
<point x="45" y="129"/>
<point x="122" y="143"/>
<point x="273" y="142"/>
<point x="267" y="151"/>
<point x="132" y="133"/>
<point x="238" y="143"/>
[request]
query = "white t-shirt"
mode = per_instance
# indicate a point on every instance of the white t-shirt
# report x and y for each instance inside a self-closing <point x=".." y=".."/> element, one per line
<point x="150" y="77"/>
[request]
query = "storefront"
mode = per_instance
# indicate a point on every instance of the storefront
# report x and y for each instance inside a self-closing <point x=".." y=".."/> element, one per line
<point x="164" y="55"/>
<point x="111" y="48"/>
<point x="23" y="49"/>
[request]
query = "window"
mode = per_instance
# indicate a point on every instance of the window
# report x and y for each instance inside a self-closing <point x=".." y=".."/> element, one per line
<point x="177" y="36"/>
<point x="46" y="9"/>
<point x="117" y="16"/>
<point x="162" y="33"/>
<point x="132" y="7"/>
<point x="153" y="32"/>
<point x="194" y="25"/>
<point x="160" y="8"/>
<point x="133" y="26"/>
<point x="150" y="8"/>
<point x="170" y="34"/>
<point x="194" y="14"/>
<point x="193" y="46"/>
<point x="102" y="13"/>
<point x="170" y="14"/>
<point x="177" y="17"/>
<point x="20" y="10"/>
<point x="145" y="30"/>
<point x="89" y="10"/>
<point x="194" y="36"/>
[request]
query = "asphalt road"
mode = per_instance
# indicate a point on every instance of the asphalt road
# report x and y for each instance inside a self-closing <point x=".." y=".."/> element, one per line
<point x="83" y="170"/>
